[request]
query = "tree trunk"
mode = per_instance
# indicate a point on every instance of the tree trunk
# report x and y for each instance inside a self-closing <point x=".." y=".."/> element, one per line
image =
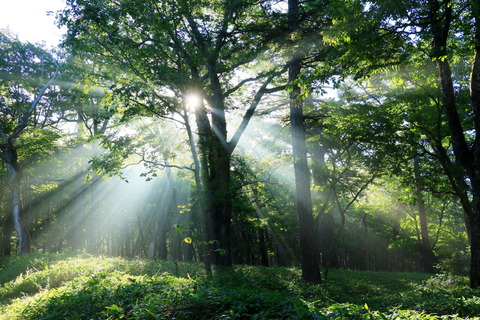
<point x="6" y="238"/>
<point x="475" y="240"/>
<point x="428" y="258"/>
<point x="201" y="207"/>
<point x="160" y="244"/>
<point x="366" y="255"/>
<point x="6" y="219"/>
<point x="219" y="179"/>
<point x="325" y="224"/>
<point x="14" y="176"/>
<point x="474" y="172"/>
<point x="308" y="247"/>
<point x="215" y="156"/>
<point x="467" y="156"/>
<point x="262" y="234"/>
<point x="221" y="207"/>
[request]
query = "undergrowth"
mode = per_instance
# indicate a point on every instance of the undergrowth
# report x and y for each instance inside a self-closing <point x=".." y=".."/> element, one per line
<point x="84" y="287"/>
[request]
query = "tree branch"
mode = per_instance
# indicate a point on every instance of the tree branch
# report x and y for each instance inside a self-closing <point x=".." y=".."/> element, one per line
<point x="253" y="106"/>
<point x="163" y="165"/>
<point x="24" y="120"/>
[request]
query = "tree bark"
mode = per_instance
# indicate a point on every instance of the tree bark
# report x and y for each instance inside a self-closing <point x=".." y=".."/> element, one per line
<point x="467" y="156"/>
<point x="475" y="170"/>
<point x="215" y="176"/>
<point x="325" y="224"/>
<point x="201" y="180"/>
<point x="15" y="176"/>
<point x="366" y="254"/>
<point x="221" y="207"/>
<point x="425" y="248"/>
<point x="308" y="247"/>
<point x="6" y="219"/>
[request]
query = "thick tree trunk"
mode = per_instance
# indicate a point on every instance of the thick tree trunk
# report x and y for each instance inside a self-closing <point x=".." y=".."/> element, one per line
<point x="215" y="176"/>
<point x="474" y="172"/>
<point x="216" y="151"/>
<point x="475" y="238"/>
<point x="308" y="247"/>
<point x="202" y="179"/>
<point x="308" y="250"/>
<point x="6" y="237"/>
<point x="6" y="221"/>
<point x="197" y="205"/>
<point x="221" y="207"/>
<point x="467" y="156"/>
<point x="218" y="155"/>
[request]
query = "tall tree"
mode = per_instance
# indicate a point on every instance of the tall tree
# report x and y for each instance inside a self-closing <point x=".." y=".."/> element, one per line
<point x="326" y="47"/>
<point x="27" y="73"/>
<point x="397" y="117"/>
<point x="466" y="147"/>
<point x="173" y="47"/>
<point x="428" y="258"/>
<point x="308" y="247"/>
<point x="448" y="31"/>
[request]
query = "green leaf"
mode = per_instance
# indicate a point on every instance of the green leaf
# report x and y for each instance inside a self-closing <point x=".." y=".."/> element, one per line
<point x="114" y="307"/>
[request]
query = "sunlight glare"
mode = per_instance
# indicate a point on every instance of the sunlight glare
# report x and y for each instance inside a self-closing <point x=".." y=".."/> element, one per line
<point x="193" y="100"/>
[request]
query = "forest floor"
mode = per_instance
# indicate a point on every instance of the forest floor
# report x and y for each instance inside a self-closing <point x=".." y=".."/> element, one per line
<point x="68" y="286"/>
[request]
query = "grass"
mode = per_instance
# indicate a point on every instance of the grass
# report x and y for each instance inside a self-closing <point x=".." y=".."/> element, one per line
<point x="67" y="286"/>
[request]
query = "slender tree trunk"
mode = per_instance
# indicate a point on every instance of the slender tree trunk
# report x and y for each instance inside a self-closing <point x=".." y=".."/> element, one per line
<point x="366" y="255"/>
<point x="428" y="258"/>
<point x="308" y="247"/>
<point x="14" y="176"/>
<point x="325" y="224"/>
<point x="394" y="256"/>
<point x="128" y="238"/>
<point x="262" y="234"/>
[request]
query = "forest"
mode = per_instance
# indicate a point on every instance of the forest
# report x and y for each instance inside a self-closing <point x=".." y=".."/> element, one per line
<point x="297" y="142"/>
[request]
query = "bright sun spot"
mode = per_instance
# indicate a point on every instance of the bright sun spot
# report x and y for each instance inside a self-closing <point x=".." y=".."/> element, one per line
<point x="193" y="100"/>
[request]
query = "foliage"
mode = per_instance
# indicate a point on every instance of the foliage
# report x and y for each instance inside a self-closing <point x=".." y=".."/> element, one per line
<point x="86" y="287"/>
<point x="24" y="69"/>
